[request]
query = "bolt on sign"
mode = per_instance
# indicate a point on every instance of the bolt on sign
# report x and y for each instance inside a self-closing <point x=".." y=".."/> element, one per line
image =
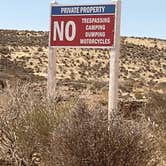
<point x="86" y="26"/>
<point x="83" y="26"/>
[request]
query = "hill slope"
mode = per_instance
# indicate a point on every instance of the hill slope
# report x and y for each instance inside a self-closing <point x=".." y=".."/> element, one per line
<point x="24" y="55"/>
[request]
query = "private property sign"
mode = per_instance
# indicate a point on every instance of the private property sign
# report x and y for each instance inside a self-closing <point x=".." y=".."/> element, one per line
<point x="83" y="26"/>
<point x="86" y="26"/>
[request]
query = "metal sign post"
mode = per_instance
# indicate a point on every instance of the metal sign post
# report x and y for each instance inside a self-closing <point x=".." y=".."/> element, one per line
<point x="114" y="64"/>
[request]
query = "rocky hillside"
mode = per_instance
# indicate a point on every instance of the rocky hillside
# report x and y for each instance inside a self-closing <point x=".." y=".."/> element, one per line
<point x="24" y="55"/>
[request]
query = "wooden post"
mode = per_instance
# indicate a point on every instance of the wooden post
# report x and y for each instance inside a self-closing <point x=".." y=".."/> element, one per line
<point x="114" y="64"/>
<point x="51" y="80"/>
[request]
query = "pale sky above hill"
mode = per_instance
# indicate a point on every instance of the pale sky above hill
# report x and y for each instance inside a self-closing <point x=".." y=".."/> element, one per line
<point x="144" y="18"/>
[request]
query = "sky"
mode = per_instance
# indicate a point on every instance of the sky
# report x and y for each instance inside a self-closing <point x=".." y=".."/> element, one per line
<point x="142" y="18"/>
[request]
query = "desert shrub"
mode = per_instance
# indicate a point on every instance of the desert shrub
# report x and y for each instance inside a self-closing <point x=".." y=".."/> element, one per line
<point x="34" y="132"/>
<point x="127" y="86"/>
<point x="52" y="132"/>
<point x="26" y="49"/>
<point x="4" y="50"/>
<point x="28" y="120"/>
<point x="84" y="140"/>
<point x="155" y="113"/>
<point x="40" y="49"/>
<point x="2" y="84"/>
<point x="139" y="95"/>
<point x="155" y="110"/>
